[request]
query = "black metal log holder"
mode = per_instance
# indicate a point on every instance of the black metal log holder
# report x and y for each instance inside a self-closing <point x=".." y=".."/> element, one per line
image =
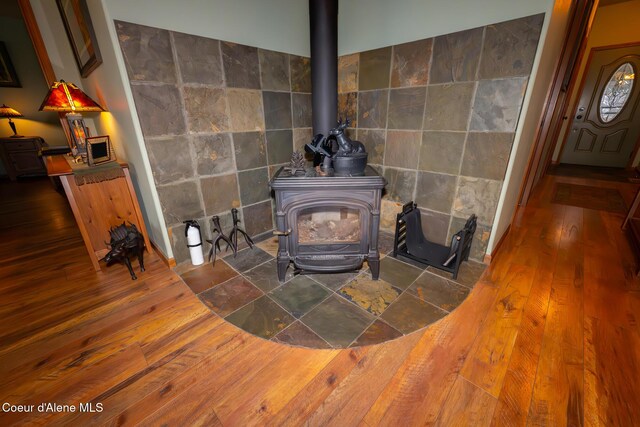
<point x="410" y="242"/>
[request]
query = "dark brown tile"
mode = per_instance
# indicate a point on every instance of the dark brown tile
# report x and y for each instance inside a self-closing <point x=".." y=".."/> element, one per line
<point x="400" y="184"/>
<point x="159" y="109"/>
<point x="179" y="203"/>
<point x="468" y="274"/>
<point x="334" y="281"/>
<point x="216" y="201"/>
<point x="300" y="74"/>
<point x="385" y="242"/>
<point x="247" y="259"/>
<point x="298" y="334"/>
<point x="438" y="291"/>
<point x="301" y="110"/>
<point x="510" y="47"/>
<point x="441" y="152"/>
<point x="170" y="159"/>
<point x="279" y="146"/>
<point x="147" y="53"/>
<point x="406" y="108"/>
<point x="213" y="154"/>
<point x="348" y="108"/>
<point x="436" y="191"/>
<point x="274" y="69"/>
<point x="206" y="109"/>
<point x="411" y="63"/>
<point x="258" y="218"/>
<point x="277" y="110"/>
<point x="376" y="333"/>
<point x="337" y="321"/>
<point x="230" y="296"/>
<point x="299" y="295"/>
<point x="265" y="276"/>
<point x="408" y="314"/>
<point x="245" y="109"/>
<point x="371" y="295"/>
<point x="199" y="59"/>
<point x="375" y="67"/>
<point x="254" y="186"/>
<point x="397" y="273"/>
<point x="486" y="155"/>
<point x="456" y="56"/>
<point x="497" y="104"/>
<point x="448" y="106"/>
<point x="374" y="143"/>
<point x="476" y="196"/>
<point x="250" y="150"/>
<point x="372" y="109"/>
<point x="241" y="67"/>
<point x="348" y="73"/>
<point x="261" y="317"/>
<point x="402" y="148"/>
<point x="205" y="277"/>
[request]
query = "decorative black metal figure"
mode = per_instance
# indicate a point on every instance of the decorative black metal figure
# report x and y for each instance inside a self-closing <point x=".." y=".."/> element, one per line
<point x="342" y="155"/>
<point x="237" y="230"/>
<point x="215" y="243"/>
<point x="126" y="241"/>
<point x="297" y="166"/>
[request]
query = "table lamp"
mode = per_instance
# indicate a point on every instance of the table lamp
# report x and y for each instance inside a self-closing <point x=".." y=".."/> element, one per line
<point x="8" y="112"/>
<point x="68" y="98"/>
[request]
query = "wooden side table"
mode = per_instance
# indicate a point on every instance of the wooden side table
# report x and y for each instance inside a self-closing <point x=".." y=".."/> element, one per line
<point x="98" y="205"/>
<point x="20" y="156"/>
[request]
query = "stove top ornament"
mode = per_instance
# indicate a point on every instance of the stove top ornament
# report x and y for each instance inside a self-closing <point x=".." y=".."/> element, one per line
<point x="340" y="154"/>
<point x="297" y="166"/>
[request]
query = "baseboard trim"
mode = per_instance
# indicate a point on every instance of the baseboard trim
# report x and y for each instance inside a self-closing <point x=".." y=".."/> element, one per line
<point x="492" y="255"/>
<point x="169" y="262"/>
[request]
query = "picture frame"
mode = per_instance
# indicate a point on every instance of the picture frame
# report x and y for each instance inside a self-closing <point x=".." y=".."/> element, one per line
<point x="79" y="133"/>
<point x="8" y="76"/>
<point x="99" y="150"/>
<point x="77" y="24"/>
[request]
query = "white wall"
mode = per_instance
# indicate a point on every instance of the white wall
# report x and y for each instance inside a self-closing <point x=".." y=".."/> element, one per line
<point x="370" y="24"/>
<point x="281" y="25"/>
<point x="546" y="61"/>
<point x="614" y="24"/>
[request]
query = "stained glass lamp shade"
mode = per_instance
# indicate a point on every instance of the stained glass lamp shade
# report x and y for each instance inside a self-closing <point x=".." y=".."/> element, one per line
<point x="67" y="97"/>
<point x="8" y="112"/>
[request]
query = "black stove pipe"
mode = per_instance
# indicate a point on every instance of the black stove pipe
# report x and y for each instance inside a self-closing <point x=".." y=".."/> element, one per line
<point x="323" y="16"/>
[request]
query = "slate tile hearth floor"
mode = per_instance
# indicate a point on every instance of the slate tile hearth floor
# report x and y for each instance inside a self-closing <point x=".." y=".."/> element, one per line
<point x="328" y="310"/>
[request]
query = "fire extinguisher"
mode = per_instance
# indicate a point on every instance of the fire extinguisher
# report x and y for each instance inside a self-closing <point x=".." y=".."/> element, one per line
<point x="194" y="241"/>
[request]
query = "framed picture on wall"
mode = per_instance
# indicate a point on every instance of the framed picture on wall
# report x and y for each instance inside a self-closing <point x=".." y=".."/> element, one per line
<point x="77" y="23"/>
<point x="8" y="76"/>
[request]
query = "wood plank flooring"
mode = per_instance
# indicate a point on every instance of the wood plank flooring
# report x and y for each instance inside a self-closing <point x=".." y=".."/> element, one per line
<point x="550" y="335"/>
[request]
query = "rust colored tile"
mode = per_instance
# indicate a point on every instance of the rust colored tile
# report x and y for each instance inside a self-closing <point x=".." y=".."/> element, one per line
<point x="205" y="277"/>
<point x="376" y="333"/>
<point x="299" y="335"/>
<point x="230" y="296"/>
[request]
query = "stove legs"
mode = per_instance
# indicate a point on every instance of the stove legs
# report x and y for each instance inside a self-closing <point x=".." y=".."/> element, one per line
<point x="282" y="269"/>
<point x="374" y="265"/>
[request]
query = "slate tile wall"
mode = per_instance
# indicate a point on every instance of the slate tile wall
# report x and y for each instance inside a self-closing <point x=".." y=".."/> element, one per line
<point x="438" y="117"/>
<point x="218" y="119"/>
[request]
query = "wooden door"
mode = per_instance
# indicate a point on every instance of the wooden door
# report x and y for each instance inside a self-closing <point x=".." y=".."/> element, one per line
<point x="606" y="123"/>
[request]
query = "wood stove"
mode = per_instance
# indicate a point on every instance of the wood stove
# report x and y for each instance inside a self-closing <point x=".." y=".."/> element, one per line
<point x="327" y="223"/>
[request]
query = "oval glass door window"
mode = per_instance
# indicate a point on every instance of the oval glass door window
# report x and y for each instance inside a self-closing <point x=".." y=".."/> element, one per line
<point x="617" y="92"/>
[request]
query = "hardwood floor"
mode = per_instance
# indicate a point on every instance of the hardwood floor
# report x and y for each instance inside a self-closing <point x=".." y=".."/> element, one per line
<point x="549" y="336"/>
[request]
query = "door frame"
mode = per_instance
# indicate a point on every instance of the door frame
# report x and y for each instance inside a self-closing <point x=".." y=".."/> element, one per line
<point x="581" y="87"/>
<point x="558" y="95"/>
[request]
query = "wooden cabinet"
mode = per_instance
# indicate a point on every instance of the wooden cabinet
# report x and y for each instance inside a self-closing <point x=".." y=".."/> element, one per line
<point x="20" y="156"/>
<point x="99" y="204"/>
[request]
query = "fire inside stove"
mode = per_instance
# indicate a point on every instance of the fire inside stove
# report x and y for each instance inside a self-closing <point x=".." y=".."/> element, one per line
<point x="328" y="225"/>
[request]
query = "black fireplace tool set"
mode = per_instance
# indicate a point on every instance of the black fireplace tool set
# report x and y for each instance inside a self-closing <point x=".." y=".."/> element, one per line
<point x="231" y="240"/>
